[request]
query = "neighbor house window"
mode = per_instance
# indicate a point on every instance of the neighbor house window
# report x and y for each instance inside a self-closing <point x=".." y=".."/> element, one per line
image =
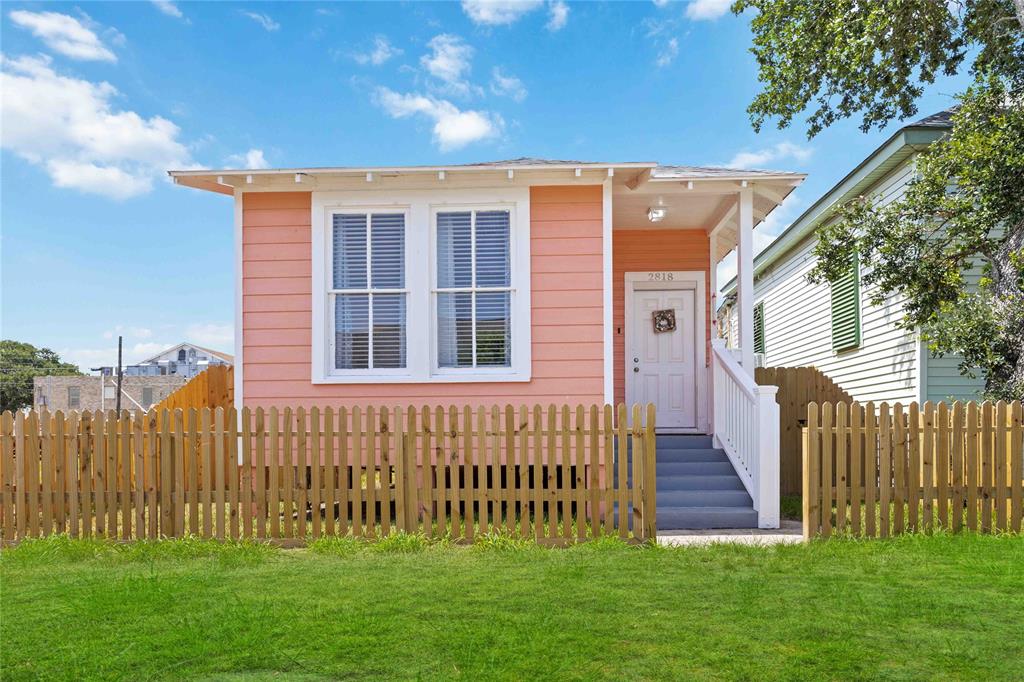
<point x="74" y="398"/>
<point x="147" y="396"/>
<point x="759" y="328"/>
<point x="846" y="308"/>
<point x="367" y="291"/>
<point x="474" y="289"/>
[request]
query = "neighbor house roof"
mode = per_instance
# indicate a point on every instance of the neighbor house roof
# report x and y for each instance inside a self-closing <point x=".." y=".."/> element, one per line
<point x="216" y="353"/>
<point x="905" y="142"/>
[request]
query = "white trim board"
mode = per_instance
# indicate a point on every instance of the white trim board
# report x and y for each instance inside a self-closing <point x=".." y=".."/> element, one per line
<point x="667" y="280"/>
<point x="239" y="360"/>
<point x="421" y="343"/>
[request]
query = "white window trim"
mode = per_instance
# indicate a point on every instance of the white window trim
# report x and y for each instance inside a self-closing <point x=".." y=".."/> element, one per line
<point x="420" y="276"/>
<point x="329" y="290"/>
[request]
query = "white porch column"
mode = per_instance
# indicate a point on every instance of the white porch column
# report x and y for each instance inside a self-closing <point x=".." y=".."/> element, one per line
<point x="745" y="278"/>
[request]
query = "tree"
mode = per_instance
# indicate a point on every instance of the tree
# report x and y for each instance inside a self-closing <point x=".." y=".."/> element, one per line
<point x="19" y="363"/>
<point x="965" y="207"/>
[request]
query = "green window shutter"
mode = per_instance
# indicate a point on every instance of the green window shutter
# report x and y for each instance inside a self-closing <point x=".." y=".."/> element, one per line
<point x="846" y="309"/>
<point x="759" y="328"/>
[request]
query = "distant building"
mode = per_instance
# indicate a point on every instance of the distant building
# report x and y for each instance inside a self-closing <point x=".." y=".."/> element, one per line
<point x="145" y="383"/>
<point x="100" y="392"/>
<point x="184" y="360"/>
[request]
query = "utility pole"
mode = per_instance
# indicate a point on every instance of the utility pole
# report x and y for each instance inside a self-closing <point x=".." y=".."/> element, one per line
<point x="120" y="374"/>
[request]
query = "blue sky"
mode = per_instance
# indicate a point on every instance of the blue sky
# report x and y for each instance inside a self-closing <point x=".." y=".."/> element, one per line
<point x="99" y="99"/>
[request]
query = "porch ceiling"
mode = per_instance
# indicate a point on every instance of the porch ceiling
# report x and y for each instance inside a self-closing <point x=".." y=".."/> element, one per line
<point x="696" y="200"/>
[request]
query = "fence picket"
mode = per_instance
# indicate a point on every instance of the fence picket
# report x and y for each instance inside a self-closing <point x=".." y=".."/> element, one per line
<point x="329" y="474"/>
<point x="870" y="468"/>
<point x="985" y="441"/>
<point x="246" y="498"/>
<point x="314" y="469"/>
<point x="1015" y="451"/>
<point x="942" y="464"/>
<point x="343" y="476"/>
<point x="552" y="471"/>
<point x="1000" y="468"/>
<point x="957" y="456"/>
<point x="274" y="475"/>
<point x="579" y="479"/>
<point x="842" y="436"/>
<point x="973" y="473"/>
<point x="900" y="470"/>
<point x="71" y="468"/>
<point x="356" y="479"/>
<point x="622" y="456"/>
<point x="300" y="479"/>
<point x="525" y="528"/>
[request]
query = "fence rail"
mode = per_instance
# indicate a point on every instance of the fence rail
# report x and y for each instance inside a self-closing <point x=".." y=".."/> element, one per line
<point x="556" y="474"/>
<point x="920" y="468"/>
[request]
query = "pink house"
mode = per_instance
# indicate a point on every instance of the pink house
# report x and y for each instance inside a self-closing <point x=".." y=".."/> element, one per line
<point x="521" y="281"/>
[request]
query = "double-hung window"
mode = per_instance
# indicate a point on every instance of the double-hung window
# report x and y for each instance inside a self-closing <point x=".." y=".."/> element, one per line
<point x="473" y="292"/>
<point x="367" y="295"/>
<point x="421" y="286"/>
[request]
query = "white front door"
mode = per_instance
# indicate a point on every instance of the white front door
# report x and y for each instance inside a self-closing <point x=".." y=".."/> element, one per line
<point x="661" y="365"/>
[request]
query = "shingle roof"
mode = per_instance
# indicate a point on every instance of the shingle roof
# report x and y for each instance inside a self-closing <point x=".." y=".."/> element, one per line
<point x="532" y="161"/>
<point x="941" y="119"/>
<point x="712" y="172"/>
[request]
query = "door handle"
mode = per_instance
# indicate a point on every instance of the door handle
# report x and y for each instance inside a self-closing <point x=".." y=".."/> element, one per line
<point x="636" y="369"/>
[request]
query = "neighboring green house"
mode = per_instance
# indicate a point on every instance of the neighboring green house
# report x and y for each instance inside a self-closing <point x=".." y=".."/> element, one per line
<point x="836" y="329"/>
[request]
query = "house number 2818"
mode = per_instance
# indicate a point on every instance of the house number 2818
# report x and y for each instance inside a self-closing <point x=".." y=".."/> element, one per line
<point x="660" y="276"/>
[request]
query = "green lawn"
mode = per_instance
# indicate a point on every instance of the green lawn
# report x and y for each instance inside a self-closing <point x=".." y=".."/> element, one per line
<point x="913" y="608"/>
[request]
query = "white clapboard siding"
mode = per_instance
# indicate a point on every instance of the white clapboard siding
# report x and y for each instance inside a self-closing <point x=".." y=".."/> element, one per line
<point x="798" y="332"/>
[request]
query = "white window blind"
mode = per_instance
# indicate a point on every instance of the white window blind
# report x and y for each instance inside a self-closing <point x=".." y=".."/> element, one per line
<point x="368" y="291"/>
<point x="474" y="289"/>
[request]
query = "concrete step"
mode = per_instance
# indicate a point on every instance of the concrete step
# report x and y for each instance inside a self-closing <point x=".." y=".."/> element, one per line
<point x="679" y="518"/>
<point x="703" y="498"/>
<point x="701" y="482"/>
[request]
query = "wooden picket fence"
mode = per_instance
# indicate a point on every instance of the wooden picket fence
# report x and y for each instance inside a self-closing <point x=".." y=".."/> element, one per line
<point x="798" y="387"/>
<point x="213" y="387"/>
<point x="554" y="474"/>
<point x="878" y="472"/>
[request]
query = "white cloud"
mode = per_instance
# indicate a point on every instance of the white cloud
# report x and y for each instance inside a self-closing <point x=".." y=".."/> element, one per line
<point x="130" y="332"/>
<point x="453" y="127"/>
<point x="498" y="12"/>
<point x="507" y="86"/>
<point x="661" y="3"/>
<point x="382" y="51"/>
<point x="65" y="34"/>
<point x="449" y="61"/>
<point x="251" y="160"/>
<point x="668" y="53"/>
<point x="70" y="127"/>
<point x="558" y="12"/>
<point x="699" y="10"/>
<point x="169" y="8"/>
<point x="212" y="335"/>
<point x="263" y="20"/>
<point x="778" y="152"/>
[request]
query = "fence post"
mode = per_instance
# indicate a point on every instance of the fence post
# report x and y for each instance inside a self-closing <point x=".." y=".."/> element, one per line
<point x="767" y="500"/>
<point x="650" y="478"/>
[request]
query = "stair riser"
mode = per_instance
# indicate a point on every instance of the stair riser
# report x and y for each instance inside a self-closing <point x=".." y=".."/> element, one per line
<point x="703" y="498"/>
<point x="728" y="482"/>
<point x="682" y="519"/>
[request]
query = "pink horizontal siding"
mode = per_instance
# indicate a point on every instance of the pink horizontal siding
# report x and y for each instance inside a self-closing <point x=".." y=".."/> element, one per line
<point x="566" y="280"/>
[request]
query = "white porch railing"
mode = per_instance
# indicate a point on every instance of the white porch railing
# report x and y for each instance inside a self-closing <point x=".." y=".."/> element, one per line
<point x="746" y="426"/>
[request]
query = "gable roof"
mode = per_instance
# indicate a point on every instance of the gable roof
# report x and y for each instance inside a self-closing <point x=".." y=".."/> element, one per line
<point x="895" y="151"/>
<point x="209" y="351"/>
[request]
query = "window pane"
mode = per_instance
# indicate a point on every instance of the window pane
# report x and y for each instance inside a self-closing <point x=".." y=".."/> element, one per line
<point x="351" y="331"/>
<point x="493" y="337"/>
<point x="388" y="330"/>
<point x="454" y="250"/>
<point x="492" y="249"/>
<point x="455" y="330"/>
<point x="350" y="251"/>
<point x="387" y="249"/>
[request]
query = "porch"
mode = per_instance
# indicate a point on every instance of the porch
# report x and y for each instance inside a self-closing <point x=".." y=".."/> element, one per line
<point x="671" y="227"/>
